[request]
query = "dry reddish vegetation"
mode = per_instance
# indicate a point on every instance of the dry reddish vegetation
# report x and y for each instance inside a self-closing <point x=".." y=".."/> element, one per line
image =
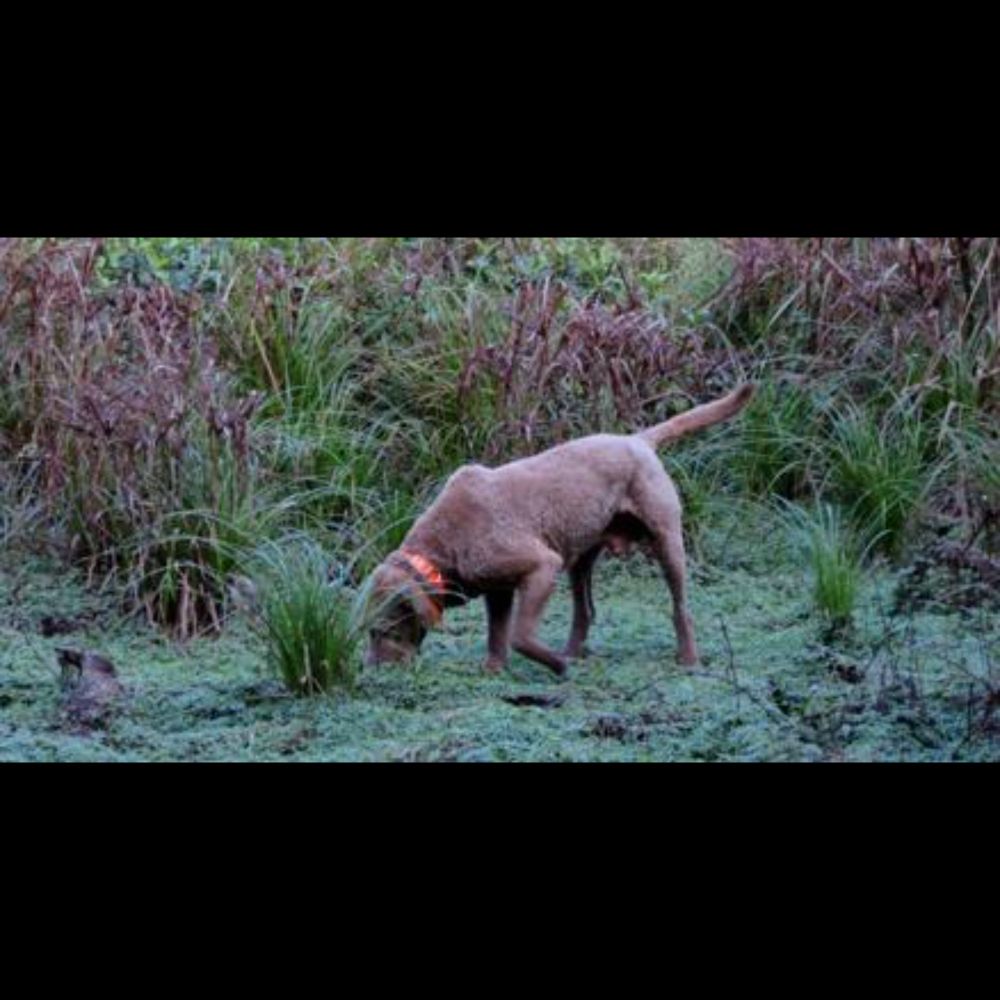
<point x="159" y="423"/>
<point x="571" y="366"/>
<point x="114" y="392"/>
<point x="132" y="410"/>
<point x="874" y="299"/>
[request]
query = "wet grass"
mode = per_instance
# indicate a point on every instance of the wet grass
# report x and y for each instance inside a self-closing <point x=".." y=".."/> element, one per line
<point x="895" y="687"/>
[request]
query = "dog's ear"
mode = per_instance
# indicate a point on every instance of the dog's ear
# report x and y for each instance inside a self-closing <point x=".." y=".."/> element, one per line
<point x="390" y="583"/>
<point x="427" y="611"/>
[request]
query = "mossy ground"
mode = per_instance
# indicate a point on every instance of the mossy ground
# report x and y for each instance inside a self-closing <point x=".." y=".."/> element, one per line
<point x="771" y="687"/>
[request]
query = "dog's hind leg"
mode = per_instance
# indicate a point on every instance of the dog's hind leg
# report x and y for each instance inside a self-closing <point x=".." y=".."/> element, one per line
<point x="670" y="551"/>
<point x="499" y="604"/>
<point x="583" y="603"/>
<point x="534" y="590"/>
<point x="660" y="509"/>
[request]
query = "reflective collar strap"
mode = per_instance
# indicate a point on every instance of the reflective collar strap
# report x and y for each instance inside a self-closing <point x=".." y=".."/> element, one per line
<point x="431" y="575"/>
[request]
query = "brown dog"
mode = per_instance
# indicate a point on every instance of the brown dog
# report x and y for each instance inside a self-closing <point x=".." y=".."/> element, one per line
<point x="497" y="532"/>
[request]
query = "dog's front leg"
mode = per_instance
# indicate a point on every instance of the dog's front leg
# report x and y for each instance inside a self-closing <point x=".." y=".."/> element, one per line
<point x="534" y="591"/>
<point x="583" y="605"/>
<point x="499" y="604"/>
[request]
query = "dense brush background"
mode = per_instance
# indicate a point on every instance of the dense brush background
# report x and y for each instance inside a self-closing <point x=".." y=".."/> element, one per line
<point x="182" y="417"/>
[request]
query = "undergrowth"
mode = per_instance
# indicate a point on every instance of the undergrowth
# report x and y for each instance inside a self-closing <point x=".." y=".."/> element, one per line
<point x="167" y="405"/>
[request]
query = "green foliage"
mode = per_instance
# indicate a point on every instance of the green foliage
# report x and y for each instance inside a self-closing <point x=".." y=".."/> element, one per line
<point x="177" y="565"/>
<point x="914" y="688"/>
<point x="879" y="468"/>
<point x="834" y="555"/>
<point x="313" y="627"/>
<point x="169" y="405"/>
<point x="773" y="445"/>
<point x="384" y="524"/>
<point x="332" y="385"/>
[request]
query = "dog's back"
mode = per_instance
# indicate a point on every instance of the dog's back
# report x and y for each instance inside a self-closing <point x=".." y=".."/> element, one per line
<point x="564" y="496"/>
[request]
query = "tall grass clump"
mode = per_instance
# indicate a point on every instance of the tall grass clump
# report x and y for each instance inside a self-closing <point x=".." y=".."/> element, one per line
<point x="773" y="445"/>
<point x="331" y="450"/>
<point x="355" y="353"/>
<point x="417" y="381"/>
<point x="880" y="469"/>
<point x="285" y="332"/>
<point x="881" y="320"/>
<point x="177" y="565"/>
<point x="285" y="335"/>
<point x="313" y="628"/>
<point x="975" y="493"/>
<point x="834" y="554"/>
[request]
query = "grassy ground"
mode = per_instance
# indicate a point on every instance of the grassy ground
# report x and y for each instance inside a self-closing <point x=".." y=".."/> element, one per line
<point x="897" y="687"/>
<point x="170" y="409"/>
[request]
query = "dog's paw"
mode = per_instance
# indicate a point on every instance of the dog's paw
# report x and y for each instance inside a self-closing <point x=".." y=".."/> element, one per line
<point x="559" y="666"/>
<point x="493" y="666"/>
<point x="576" y="652"/>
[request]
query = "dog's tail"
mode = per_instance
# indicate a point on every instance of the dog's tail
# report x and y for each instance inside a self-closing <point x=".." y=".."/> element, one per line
<point x="698" y="417"/>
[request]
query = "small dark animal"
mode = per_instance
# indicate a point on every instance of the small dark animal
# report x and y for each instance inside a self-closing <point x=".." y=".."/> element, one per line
<point x="497" y="533"/>
<point x="91" y="689"/>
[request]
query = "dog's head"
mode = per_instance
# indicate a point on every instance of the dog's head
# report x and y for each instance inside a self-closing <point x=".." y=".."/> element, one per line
<point x="402" y="614"/>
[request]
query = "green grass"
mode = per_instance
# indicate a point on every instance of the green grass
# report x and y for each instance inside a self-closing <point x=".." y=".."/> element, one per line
<point x="834" y="554"/>
<point x="177" y="564"/>
<point x="357" y="348"/>
<point x="385" y="525"/>
<point x="879" y="468"/>
<point x="772" y="446"/>
<point x="313" y="628"/>
<point x="768" y="688"/>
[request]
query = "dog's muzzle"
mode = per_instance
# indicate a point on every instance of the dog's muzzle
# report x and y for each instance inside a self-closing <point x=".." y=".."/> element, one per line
<point x="386" y="651"/>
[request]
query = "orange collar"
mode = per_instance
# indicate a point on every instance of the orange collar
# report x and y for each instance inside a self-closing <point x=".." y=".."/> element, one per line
<point x="432" y="575"/>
